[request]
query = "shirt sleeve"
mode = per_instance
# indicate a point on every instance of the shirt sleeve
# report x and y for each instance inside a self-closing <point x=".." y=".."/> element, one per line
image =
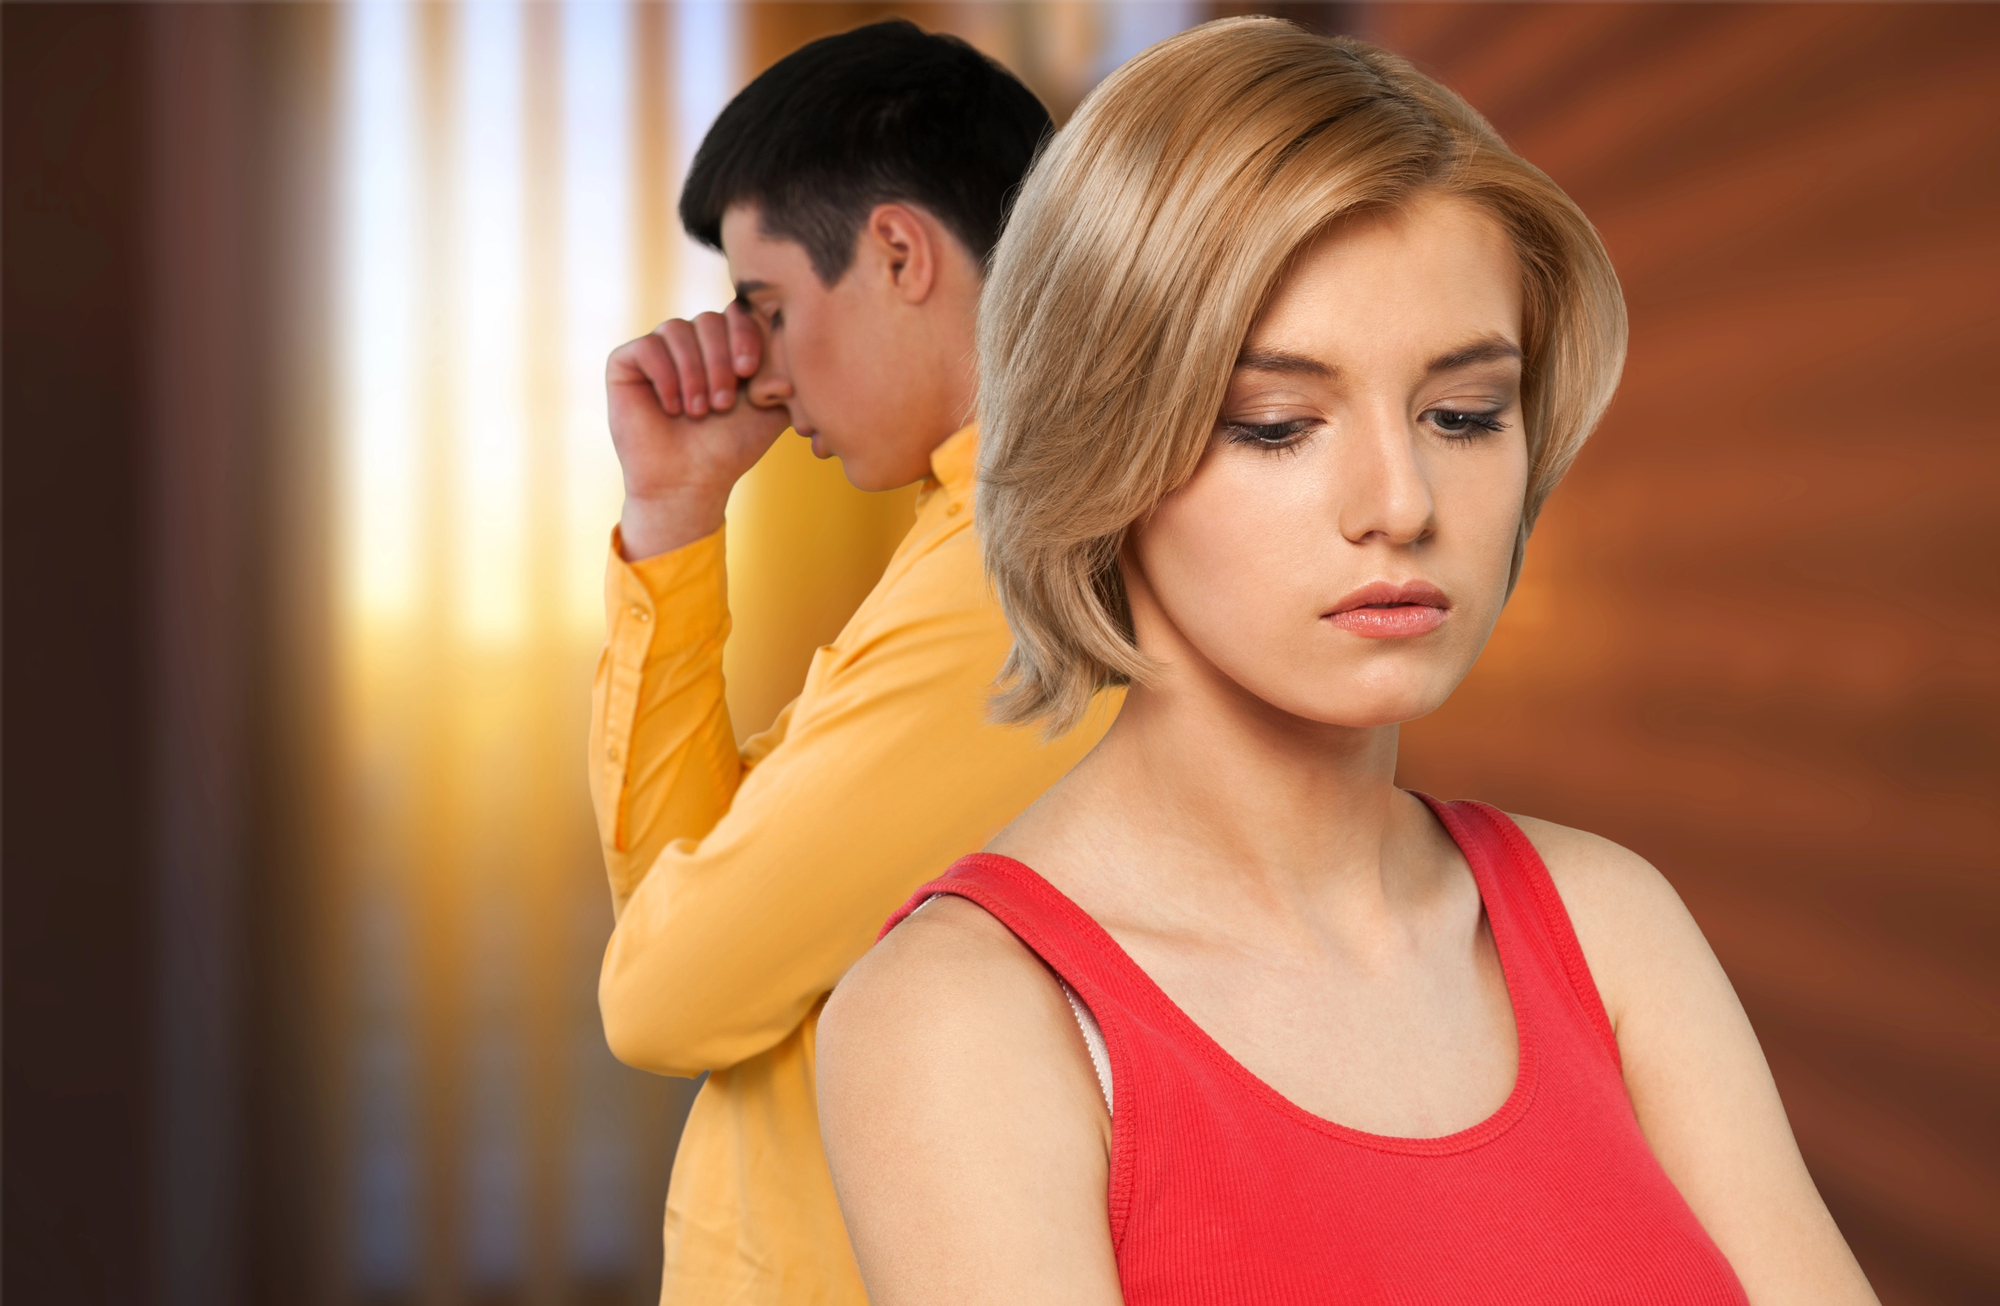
<point x="663" y="758"/>
<point x="886" y="772"/>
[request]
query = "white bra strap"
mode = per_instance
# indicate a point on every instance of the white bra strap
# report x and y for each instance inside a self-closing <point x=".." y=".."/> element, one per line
<point x="1093" y="1038"/>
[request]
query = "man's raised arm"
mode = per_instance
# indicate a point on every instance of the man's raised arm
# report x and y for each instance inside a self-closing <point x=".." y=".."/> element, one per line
<point x="663" y="759"/>
<point x="884" y="765"/>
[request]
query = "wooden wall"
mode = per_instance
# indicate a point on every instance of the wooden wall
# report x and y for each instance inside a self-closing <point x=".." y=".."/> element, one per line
<point x="1759" y="628"/>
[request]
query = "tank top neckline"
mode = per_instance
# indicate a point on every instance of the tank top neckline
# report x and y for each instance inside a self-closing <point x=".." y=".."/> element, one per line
<point x="1142" y="986"/>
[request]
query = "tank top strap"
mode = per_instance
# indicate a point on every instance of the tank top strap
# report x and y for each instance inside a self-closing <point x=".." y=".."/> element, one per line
<point x="1054" y="928"/>
<point x="1523" y="905"/>
<point x="1121" y="1001"/>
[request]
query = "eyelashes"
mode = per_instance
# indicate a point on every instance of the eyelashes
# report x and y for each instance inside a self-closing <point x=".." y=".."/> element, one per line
<point x="1456" y="425"/>
<point x="1275" y="436"/>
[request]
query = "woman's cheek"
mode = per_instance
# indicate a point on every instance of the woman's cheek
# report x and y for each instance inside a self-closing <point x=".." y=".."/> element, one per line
<point x="1234" y="573"/>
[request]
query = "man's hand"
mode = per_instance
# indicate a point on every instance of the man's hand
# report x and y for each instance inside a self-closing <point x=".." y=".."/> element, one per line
<point x="683" y="439"/>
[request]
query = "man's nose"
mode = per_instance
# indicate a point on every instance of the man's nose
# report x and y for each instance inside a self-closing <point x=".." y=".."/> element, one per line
<point x="771" y="384"/>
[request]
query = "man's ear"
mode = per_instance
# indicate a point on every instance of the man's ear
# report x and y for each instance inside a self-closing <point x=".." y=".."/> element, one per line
<point x="907" y="243"/>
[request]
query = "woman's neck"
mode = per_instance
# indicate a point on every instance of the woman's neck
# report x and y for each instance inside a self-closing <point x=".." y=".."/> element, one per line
<point x="1212" y="789"/>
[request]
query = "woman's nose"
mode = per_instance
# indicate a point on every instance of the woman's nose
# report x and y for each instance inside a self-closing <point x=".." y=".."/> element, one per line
<point x="1384" y="492"/>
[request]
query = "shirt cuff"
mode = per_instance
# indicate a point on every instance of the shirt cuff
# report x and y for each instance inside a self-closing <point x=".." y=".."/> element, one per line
<point x="662" y="605"/>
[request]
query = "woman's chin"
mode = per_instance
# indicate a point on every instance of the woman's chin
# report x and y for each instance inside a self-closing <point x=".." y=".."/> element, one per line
<point x="1339" y="693"/>
<point x="1364" y="710"/>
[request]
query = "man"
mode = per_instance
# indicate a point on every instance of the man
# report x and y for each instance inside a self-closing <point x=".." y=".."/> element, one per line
<point x="856" y="189"/>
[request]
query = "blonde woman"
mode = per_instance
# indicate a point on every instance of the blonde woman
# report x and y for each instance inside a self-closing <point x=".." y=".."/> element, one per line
<point x="1282" y="352"/>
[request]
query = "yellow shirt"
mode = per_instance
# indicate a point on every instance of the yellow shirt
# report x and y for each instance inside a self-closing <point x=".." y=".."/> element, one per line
<point x="746" y="883"/>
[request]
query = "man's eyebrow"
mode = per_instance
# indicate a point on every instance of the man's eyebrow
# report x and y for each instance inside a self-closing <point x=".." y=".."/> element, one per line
<point x="1275" y="360"/>
<point x="745" y="289"/>
<point x="1490" y="350"/>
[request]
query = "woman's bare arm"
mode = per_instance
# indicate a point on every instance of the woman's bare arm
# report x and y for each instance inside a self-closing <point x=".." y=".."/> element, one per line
<point x="963" y="1122"/>
<point x="1698" y="1080"/>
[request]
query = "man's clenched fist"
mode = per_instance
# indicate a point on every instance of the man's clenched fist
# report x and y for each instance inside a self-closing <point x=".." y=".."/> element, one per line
<point x="682" y="437"/>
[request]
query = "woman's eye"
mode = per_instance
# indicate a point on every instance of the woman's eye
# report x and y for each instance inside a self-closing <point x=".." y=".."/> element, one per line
<point x="1269" y="435"/>
<point x="1461" y="424"/>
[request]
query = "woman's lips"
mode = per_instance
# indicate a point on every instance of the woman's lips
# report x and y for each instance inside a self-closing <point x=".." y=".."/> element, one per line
<point x="1383" y="610"/>
<point x="1399" y="622"/>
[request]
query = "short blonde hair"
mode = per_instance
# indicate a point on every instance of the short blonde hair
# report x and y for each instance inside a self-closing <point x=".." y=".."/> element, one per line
<point x="1144" y="244"/>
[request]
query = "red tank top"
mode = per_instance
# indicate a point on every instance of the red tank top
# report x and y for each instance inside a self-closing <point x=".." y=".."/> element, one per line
<point x="1222" y="1191"/>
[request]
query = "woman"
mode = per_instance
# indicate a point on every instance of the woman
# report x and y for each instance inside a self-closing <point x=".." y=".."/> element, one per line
<point x="1282" y="352"/>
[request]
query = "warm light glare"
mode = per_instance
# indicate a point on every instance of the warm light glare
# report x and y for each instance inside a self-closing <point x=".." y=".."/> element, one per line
<point x="597" y="266"/>
<point x="442" y="618"/>
<point x="489" y="364"/>
<point x="377" y="511"/>
<point x="704" y="79"/>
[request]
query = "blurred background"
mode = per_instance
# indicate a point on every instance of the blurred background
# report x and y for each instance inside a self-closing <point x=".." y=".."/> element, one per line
<point x="308" y="491"/>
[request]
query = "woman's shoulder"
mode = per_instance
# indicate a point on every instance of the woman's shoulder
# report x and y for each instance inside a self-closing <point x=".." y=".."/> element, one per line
<point x="1629" y="921"/>
<point x="952" y="994"/>
<point x="958" y="1106"/>
<point x="961" y="1119"/>
<point x="1590" y="865"/>
<point x="948" y="958"/>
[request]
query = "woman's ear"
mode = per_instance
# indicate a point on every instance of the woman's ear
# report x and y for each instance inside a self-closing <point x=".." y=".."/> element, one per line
<point x="907" y="243"/>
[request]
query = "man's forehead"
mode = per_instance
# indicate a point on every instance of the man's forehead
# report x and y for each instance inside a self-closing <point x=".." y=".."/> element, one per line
<point x="739" y="221"/>
<point x="757" y="260"/>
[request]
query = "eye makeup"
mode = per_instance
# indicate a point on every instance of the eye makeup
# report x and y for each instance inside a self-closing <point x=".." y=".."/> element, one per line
<point x="1275" y="436"/>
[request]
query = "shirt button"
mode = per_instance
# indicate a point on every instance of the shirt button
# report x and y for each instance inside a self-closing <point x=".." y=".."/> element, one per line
<point x="640" y="614"/>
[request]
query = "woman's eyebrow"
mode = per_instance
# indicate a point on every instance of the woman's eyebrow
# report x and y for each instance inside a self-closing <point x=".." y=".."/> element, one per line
<point x="1490" y="350"/>
<point x="1273" y="360"/>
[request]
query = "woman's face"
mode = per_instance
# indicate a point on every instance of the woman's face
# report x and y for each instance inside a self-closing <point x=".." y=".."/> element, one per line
<point x="1343" y="549"/>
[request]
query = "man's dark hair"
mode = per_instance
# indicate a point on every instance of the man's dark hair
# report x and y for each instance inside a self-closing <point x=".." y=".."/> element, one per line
<point x="884" y="113"/>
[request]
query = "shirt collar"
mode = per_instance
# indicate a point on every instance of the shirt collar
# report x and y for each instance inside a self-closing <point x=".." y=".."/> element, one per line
<point x="954" y="462"/>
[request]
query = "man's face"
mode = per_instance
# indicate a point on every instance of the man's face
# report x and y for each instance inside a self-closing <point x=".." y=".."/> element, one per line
<point x="839" y="357"/>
